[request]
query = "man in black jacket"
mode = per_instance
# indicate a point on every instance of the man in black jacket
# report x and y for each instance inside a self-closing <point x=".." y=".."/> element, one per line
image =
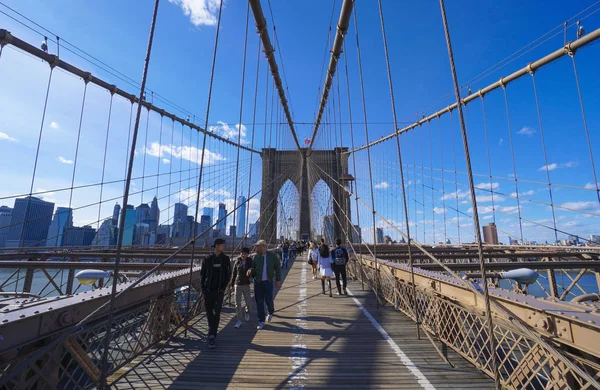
<point x="340" y="259"/>
<point x="214" y="278"/>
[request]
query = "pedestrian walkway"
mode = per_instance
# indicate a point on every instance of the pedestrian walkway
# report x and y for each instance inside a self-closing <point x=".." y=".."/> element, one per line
<point x="314" y="341"/>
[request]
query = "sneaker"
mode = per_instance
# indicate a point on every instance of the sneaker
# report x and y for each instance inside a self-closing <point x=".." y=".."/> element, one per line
<point x="247" y="317"/>
<point x="337" y="293"/>
<point x="260" y="325"/>
<point x="345" y="292"/>
<point x="269" y="317"/>
<point x="238" y="324"/>
<point x="211" y="342"/>
<point x="330" y="294"/>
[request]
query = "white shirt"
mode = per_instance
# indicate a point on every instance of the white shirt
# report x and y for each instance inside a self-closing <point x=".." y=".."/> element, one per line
<point x="264" y="274"/>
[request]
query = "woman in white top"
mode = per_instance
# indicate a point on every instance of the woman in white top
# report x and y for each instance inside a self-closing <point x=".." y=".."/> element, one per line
<point x="325" y="261"/>
<point x="313" y="258"/>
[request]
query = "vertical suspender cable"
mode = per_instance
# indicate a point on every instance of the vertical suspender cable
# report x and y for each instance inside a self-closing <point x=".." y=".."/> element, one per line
<point x="489" y="156"/>
<point x="492" y="341"/>
<point x="410" y="258"/>
<point x="199" y="187"/>
<point x="104" y="163"/>
<point x="103" y="365"/>
<point x="364" y="107"/>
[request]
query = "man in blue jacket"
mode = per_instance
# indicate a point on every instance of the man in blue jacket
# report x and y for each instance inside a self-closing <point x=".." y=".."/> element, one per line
<point x="214" y="278"/>
<point x="265" y="268"/>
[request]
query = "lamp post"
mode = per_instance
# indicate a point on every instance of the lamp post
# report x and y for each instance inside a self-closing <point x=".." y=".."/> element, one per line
<point x="290" y="220"/>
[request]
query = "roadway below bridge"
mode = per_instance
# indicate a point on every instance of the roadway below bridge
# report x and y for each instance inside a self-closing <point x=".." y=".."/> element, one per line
<point x="313" y="341"/>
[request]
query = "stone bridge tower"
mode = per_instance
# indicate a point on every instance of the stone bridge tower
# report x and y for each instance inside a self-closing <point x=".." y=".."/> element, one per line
<point x="279" y="166"/>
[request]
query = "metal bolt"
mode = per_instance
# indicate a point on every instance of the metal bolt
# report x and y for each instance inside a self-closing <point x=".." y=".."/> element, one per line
<point x="36" y="312"/>
<point x="49" y="308"/>
<point x="559" y="334"/>
<point x="4" y="321"/>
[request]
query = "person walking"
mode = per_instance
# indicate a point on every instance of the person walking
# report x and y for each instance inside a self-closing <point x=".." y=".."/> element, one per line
<point x="265" y="268"/>
<point x="285" y="254"/>
<point x="241" y="283"/>
<point x="313" y="258"/>
<point x="325" y="262"/>
<point x="340" y="259"/>
<point x="214" y="278"/>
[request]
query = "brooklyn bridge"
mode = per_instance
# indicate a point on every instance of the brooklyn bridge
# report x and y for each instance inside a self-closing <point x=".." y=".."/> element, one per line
<point x="471" y="220"/>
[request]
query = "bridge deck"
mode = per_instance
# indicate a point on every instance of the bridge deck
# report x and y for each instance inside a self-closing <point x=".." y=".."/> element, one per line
<point x="314" y="341"/>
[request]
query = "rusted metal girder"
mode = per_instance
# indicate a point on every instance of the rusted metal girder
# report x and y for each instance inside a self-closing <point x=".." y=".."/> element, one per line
<point x="261" y="27"/>
<point x="342" y="28"/>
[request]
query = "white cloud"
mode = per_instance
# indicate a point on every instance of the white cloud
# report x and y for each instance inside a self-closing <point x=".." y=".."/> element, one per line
<point x="553" y="166"/>
<point x="439" y="210"/>
<point x="200" y="12"/>
<point x="230" y="132"/>
<point x="489" y="198"/>
<point x="454" y="195"/>
<point x="526" y="193"/>
<point x="382" y="186"/>
<point x="526" y="131"/>
<point x="482" y="209"/>
<point x="488" y="217"/>
<point x="487" y="186"/>
<point x="581" y="206"/>
<point x="509" y="209"/>
<point x="189" y="153"/>
<point x="500" y="142"/>
<point x="6" y="137"/>
<point x="166" y="160"/>
<point x="590" y="186"/>
<point x="54" y="125"/>
<point x="64" y="160"/>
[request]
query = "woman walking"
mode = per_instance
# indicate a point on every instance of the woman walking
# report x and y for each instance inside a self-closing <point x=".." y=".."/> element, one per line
<point x="313" y="258"/>
<point x="324" y="262"/>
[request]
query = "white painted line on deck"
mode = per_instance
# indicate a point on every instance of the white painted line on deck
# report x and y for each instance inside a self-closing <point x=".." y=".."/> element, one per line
<point x="298" y="353"/>
<point x="405" y="359"/>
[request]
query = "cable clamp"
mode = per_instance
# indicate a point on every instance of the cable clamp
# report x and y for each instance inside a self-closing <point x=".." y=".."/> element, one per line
<point x="530" y="69"/>
<point x="87" y="78"/>
<point x="113" y="89"/>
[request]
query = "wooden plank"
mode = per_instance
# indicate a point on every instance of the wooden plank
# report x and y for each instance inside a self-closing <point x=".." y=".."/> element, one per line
<point x="313" y="341"/>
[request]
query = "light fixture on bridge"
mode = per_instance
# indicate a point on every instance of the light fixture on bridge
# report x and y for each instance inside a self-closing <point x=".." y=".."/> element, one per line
<point x="90" y="276"/>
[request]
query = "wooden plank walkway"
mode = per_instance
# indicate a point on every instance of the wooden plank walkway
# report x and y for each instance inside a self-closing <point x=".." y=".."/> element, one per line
<point x="314" y="341"/>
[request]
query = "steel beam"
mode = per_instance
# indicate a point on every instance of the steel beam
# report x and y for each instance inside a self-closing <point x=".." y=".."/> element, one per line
<point x="261" y="27"/>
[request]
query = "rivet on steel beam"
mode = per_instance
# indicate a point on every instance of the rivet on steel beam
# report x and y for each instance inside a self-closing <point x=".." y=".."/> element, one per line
<point x="4" y="321"/>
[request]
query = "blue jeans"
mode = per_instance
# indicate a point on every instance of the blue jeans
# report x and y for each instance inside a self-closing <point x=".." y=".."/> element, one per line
<point x="263" y="293"/>
<point x="284" y="259"/>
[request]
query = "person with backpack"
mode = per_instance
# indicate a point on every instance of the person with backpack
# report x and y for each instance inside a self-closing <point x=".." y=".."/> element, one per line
<point x="241" y="283"/>
<point x="325" y="261"/>
<point x="265" y="268"/>
<point x="214" y="278"/>
<point x="340" y="259"/>
<point x="313" y="258"/>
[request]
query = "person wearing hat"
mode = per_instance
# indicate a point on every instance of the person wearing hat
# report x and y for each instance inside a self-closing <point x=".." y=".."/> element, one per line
<point x="214" y="278"/>
<point x="241" y="283"/>
<point x="265" y="267"/>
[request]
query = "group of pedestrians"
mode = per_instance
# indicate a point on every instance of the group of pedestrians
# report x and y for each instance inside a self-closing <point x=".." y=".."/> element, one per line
<point x="330" y="263"/>
<point x="263" y="269"/>
<point x="217" y="274"/>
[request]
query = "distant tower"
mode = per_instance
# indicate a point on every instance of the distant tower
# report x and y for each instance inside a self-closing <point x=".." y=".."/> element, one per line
<point x="116" y="212"/>
<point x="222" y="222"/>
<point x="63" y="220"/>
<point x="490" y="234"/>
<point x="154" y="215"/>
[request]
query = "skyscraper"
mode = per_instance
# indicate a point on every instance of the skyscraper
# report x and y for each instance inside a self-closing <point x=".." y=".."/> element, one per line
<point x="204" y="228"/>
<point x="153" y="215"/>
<point x="241" y="216"/>
<point x="107" y="234"/>
<point x="142" y="212"/>
<point x="490" y="234"/>
<point x="129" y="228"/>
<point x="79" y="236"/>
<point x="5" y="215"/>
<point x="222" y="221"/>
<point x="208" y="211"/>
<point x="62" y="221"/>
<point x="253" y="230"/>
<point x="115" y="217"/>
<point x="379" y="235"/>
<point x="180" y="214"/>
<point x="30" y="220"/>
<point x="356" y="234"/>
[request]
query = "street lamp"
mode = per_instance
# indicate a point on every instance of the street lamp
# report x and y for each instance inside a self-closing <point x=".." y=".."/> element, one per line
<point x="90" y="276"/>
<point x="290" y="220"/>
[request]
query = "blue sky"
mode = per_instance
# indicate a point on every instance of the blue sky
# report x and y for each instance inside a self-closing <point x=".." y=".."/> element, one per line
<point x="483" y="33"/>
